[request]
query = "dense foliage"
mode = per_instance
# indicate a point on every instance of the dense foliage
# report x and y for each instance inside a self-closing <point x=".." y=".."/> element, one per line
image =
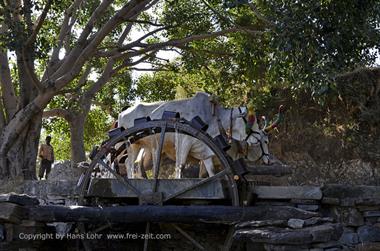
<point x="303" y="48"/>
<point x="77" y="61"/>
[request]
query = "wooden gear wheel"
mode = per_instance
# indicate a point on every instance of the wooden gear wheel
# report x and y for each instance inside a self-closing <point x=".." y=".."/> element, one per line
<point x="220" y="189"/>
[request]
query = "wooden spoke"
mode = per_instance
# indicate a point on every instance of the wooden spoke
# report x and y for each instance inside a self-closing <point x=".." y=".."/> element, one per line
<point x="200" y="183"/>
<point x="119" y="178"/>
<point x="229" y="239"/>
<point x="147" y="229"/>
<point x="187" y="236"/>
<point x="85" y="242"/>
<point x="156" y="168"/>
<point x="101" y="228"/>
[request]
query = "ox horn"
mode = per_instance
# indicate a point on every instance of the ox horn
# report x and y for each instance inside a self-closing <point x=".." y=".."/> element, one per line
<point x="263" y="118"/>
<point x="251" y="118"/>
<point x="278" y="119"/>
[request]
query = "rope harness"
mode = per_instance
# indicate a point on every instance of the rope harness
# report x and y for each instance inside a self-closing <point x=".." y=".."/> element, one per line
<point x="256" y="135"/>
<point x="250" y="132"/>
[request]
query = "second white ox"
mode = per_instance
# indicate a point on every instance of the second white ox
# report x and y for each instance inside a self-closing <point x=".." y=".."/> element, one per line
<point x="179" y="147"/>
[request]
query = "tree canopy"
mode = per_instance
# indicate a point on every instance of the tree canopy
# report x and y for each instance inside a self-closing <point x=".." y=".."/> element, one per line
<point x="73" y="59"/>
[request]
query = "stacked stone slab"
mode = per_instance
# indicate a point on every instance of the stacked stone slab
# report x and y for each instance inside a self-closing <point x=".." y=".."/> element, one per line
<point x="348" y="219"/>
<point x="14" y="229"/>
<point x="358" y="209"/>
<point x="329" y="218"/>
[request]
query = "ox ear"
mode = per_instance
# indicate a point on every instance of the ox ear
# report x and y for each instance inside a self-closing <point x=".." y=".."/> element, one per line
<point x="278" y="119"/>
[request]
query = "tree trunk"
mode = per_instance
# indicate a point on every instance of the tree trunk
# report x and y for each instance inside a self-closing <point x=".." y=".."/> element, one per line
<point x="78" y="152"/>
<point x="76" y="120"/>
<point x="20" y="161"/>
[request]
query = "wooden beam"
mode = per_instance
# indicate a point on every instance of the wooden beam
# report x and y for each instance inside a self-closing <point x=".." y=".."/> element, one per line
<point x="180" y="214"/>
<point x="112" y="188"/>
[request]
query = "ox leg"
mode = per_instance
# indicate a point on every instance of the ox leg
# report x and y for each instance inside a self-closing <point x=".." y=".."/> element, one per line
<point x="133" y="151"/>
<point x="202" y="170"/>
<point x="138" y="166"/>
<point x="183" y="146"/>
<point x="209" y="165"/>
<point x="146" y="163"/>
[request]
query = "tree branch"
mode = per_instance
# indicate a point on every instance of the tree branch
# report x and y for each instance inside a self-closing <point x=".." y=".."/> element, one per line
<point x="217" y="53"/>
<point x="124" y="35"/>
<point x="85" y="47"/>
<point x="180" y="42"/>
<point x="65" y="29"/>
<point x="103" y="79"/>
<point x="103" y="106"/>
<point x="128" y="63"/>
<point x="30" y="72"/>
<point x="57" y="112"/>
<point x="162" y="59"/>
<point x="144" y="22"/>
<point x="2" y="116"/>
<point x="40" y="22"/>
<point x="174" y="49"/>
<point x="7" y="88"/>
<point x="71" y="67"/>
<point x="137" y="42"/>
<point x="27" y="16"/>
<point x="259" y="16"/>
<point x="149" y="69"/>
<point x="81" y="82"/>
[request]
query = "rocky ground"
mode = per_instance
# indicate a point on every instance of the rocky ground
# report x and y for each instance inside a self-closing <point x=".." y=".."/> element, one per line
<point x="64" y="171"/>
<point x="307" y="172"/>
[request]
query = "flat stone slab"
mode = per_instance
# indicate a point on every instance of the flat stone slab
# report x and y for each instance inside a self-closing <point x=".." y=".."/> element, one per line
<point x="369" y="233"/>
<point x="20" y="199"/>
<point x="11" y="213"/>
<point x="309" y="207"/>
<point x="275" y="235"/>
<point x="372" y="214"/>
<point x="111" y="188"/>
<point x="352" y="195"/>
<point x="41" y="188"/>
<point x="288" y="192"/>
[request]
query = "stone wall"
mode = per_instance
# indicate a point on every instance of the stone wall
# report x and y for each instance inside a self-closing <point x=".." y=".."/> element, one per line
<point x="348" y="218"/>
<point x="328" y="218"/>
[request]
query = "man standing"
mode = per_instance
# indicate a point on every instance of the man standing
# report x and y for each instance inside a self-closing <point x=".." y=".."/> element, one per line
<point x="46" y="154"/>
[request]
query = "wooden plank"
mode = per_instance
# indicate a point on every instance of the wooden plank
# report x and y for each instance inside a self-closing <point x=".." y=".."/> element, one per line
<point x="288" y="192"/>
<point x="11" y="213"/>
<point x="180" y="214"/>
<point x="111" y="188"/>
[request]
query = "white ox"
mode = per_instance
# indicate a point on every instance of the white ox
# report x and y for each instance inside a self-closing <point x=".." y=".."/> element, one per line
<point x="179" y="147"/>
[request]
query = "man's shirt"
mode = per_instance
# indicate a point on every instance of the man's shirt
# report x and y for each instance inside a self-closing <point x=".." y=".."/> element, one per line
<point x="46" y="152"/>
